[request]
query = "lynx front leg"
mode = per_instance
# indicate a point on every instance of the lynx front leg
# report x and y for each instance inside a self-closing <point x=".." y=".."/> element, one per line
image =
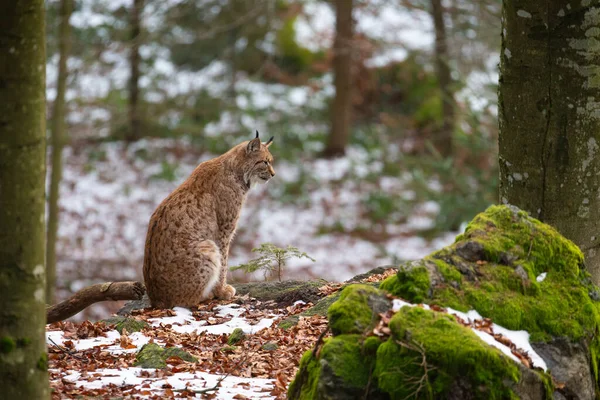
<point x="222" y="290"/>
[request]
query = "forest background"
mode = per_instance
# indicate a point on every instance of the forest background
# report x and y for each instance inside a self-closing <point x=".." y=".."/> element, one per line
<point x="385" y="126"/>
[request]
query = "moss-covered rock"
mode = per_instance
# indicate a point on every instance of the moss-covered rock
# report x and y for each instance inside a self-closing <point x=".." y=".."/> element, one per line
<point x="357" y="309"/>
<point x="428" y="355"/>
<point x="129" y="324"/>
<point x="493" y="267"/>
<point x="152" y="355"/>
<point x="236" y="336"/>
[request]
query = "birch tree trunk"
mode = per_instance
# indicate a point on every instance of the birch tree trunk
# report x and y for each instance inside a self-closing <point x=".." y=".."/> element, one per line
<point x="23" y="360"/>
<point x="342" y="68"/>
<point x="58" y="139"/>
<point x="134" y="132"/>
<point x="549" y="111"/>
<point x="443" y="138"/>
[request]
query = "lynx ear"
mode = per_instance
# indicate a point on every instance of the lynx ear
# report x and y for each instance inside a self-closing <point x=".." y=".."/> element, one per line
<point x="253" y="145"/>
<point x="270" y="142"/>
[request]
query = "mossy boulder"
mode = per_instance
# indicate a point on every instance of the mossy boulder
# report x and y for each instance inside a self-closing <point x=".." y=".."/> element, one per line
<point x="427" y="355"/>
<point x="494" y="267"/>
<point x="152" y="355"/>
<point x="129" y="324"/>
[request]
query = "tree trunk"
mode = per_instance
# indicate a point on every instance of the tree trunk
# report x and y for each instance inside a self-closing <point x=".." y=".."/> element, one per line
<point x="549" y="112"/>
<point x="443" y="139"/>
<point x="23" y="360"/>
<point x="342" y="67"/>
<point x="58" y="138"/>
<point x="134" y="131"/>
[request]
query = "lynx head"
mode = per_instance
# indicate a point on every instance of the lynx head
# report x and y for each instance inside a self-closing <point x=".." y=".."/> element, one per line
<point x="257" y="162"/>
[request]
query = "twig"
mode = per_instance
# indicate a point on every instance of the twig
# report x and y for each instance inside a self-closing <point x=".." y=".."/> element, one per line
<point x="315" y="352"/>
<point x="65" y="350"/>
<point x="530" y="247"/>
<point x="423" y="381"/>
<point x="221" y="379"/>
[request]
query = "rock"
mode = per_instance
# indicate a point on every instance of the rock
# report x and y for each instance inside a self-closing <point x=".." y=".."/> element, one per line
<point x="284" y="293"/>
<point x="236" y="336"/>
<point x="270" y="346"/>
<point x="353" y="312"/>
<point x="520" y="271"/>
<point x="374" y="271"/>
<point x="134" y="305"/>
<point x="152" y="355"/>
<point x="477" y="272"/>
<point x="471" y="251"/>
<point x="570" y="364"/>
<point x="130" y="324"/>
<point x="424" y="348"/>
<point x="320" y="308"/>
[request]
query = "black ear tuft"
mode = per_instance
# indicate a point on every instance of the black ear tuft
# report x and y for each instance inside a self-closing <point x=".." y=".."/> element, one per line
<point x="270" y="141"/>
<point x="256" y="134"/>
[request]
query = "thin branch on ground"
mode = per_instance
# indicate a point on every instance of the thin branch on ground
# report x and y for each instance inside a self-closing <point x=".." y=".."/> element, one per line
<point x="65" y="350"/>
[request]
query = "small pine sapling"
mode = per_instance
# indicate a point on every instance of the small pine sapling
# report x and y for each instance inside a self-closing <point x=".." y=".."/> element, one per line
<point x="272" y="259"/>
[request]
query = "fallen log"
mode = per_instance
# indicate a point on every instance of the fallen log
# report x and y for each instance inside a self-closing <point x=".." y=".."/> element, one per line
<point x="108" y="291"/>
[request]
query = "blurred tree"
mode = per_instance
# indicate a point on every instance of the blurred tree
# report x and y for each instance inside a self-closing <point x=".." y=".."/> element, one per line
<point x="23" y="358"/>
<point x="342" y="69"/>
<point x="549" y="114"/>
<point x="442" y="139"/>
<point x="134" y="131"/>
<point x="57" y="131"/>
<point x="233" y="32"/>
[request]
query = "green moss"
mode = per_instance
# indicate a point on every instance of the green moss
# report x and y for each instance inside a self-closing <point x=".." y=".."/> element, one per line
<point x="289" y="322"/>
<point x="452" y="352"/>
<point x="304" y="385"/>
<point x="152" y="355"/>
<point x="7" y="344"/>
<point x="236" y="336"/>
<point x="353" y="312"/>
<point x="129" y="324"/>
<point x="502" y="284"/>
<point x="370" y="345"/>
<point x="344" y="355"/>
<point x="42" y="363"/>
<point x="449" y="272"/>
<point x="411" y="284"/>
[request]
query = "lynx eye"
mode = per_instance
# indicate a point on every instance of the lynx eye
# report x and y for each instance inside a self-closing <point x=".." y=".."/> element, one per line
<point x="266" y="162"/>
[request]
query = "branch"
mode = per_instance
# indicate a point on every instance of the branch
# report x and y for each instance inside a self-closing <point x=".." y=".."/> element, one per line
<point x="93" y="294"/>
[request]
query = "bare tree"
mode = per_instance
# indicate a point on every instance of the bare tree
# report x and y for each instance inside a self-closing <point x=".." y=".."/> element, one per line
<point x="134" y="131"/>
<point x="443" y="139"/>
<point x="549" y="112"/>
<point x="342" y="69"/>
<point x="23" y="359"/>
<point x="57" y="129"/>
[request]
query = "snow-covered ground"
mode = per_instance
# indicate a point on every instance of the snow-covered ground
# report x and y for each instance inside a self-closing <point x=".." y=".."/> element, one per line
<point x="148" y="382"/>
<point x="94" y="360"/>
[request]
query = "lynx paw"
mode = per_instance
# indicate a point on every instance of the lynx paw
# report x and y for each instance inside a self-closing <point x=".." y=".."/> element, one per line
<point x="226" y="292"/>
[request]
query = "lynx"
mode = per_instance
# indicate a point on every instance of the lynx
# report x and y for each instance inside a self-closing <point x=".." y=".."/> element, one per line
<point x="189" y="233"/>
